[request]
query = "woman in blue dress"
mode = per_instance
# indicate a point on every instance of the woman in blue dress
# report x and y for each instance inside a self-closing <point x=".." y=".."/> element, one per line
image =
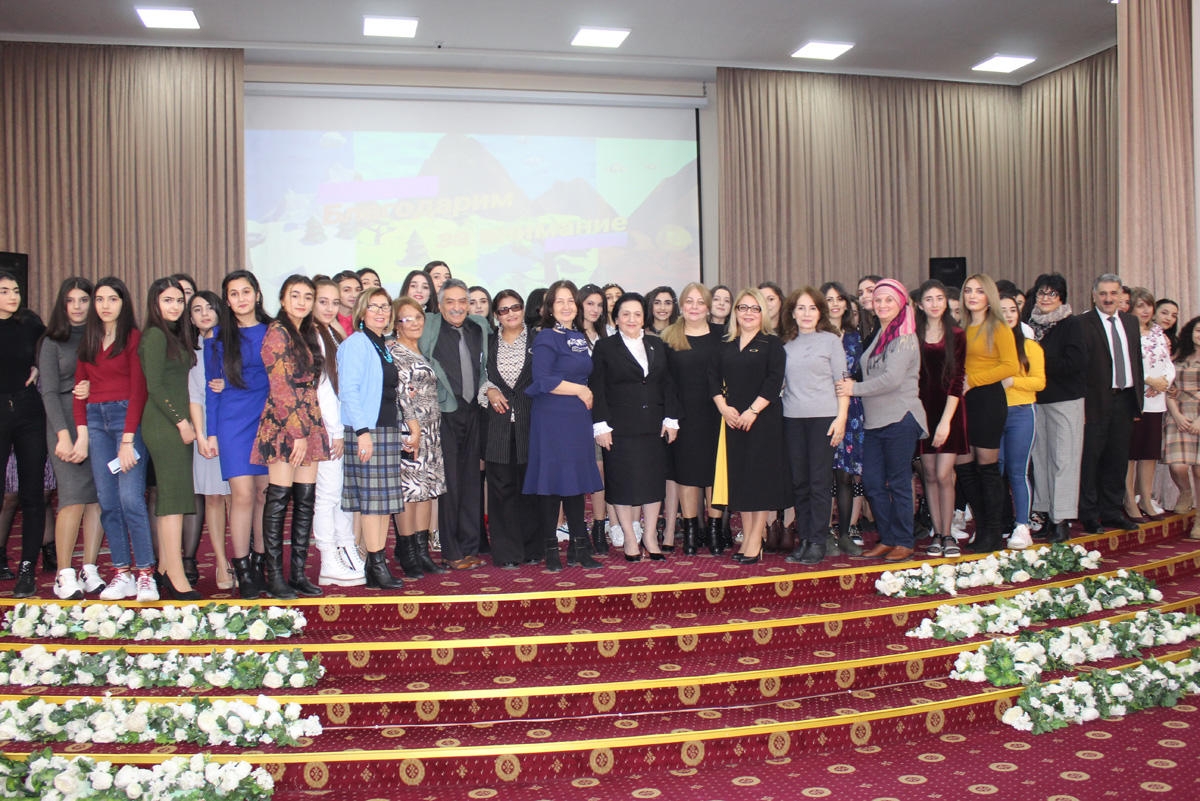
<point x="234" y="401"/>
<point x="847" y="460"/>
<point x="562" y="456"/>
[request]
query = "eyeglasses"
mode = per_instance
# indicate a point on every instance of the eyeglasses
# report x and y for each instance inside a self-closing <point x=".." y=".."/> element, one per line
<point x="503" y="310"/>
<point x="746" y="307"/>
<point x="379" y="308"/>
<point x="1046" y="292"/>
<point x="407" y="320"/>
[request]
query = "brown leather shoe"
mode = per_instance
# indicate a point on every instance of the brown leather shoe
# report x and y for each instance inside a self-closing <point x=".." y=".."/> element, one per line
<point x="878" y="551"/>
<point x="462" y="564"/>
<point x="473" y="559"/>
<point x="899" y="554"/>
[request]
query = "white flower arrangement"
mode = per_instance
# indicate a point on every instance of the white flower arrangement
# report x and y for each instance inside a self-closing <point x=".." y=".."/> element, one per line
<point x="116" y="622"/>
<point x="237" y="670"/>
<point x="1002" y="567"/>
<point x="1009" y="615"/>
<point x="117" y="720"/>
<point x="1023" y="659"/>
<point x="50" y="777"/>
<point x="1104" y="693"/>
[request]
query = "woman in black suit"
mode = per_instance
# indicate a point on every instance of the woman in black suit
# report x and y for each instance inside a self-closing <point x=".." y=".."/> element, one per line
<point x="512" y="516"/>
<point x="634" y="414"/>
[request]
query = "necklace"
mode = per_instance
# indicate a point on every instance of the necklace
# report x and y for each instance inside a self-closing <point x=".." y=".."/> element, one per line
<point x="383" y="352"/>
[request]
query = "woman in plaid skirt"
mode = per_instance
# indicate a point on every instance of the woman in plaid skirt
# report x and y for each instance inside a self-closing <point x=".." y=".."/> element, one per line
<point x="1181" y="431"/>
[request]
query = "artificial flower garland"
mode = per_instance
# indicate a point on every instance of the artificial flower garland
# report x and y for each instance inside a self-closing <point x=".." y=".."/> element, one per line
<point x="51" y="777"/>
<point x="1002" y="567"/>
<point x="228" y="669"/>
<point x="116" y="622"/>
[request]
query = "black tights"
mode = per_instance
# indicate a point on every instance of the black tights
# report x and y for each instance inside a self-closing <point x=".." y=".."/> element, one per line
<point x="843" y="483"/>
<point x="193" y="525"/>
<point x="572" y="506"/>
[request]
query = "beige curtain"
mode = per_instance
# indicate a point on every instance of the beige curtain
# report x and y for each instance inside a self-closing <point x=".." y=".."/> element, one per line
<point x="1157" y="246"/>
<point x="1069" y="158"/>
<point x="832" y="177"/>
<point x="121" y="160"/>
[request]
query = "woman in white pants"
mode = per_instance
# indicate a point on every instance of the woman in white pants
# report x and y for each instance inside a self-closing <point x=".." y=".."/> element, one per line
<point x="333" y="529"/>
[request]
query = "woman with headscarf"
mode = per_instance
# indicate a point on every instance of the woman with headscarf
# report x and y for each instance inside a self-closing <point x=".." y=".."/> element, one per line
<point x="893" y="416"/>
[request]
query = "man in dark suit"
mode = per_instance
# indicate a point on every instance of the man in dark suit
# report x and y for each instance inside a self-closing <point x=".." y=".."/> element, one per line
<point x="456" y="344"/>
<point x="1113" y="398"/>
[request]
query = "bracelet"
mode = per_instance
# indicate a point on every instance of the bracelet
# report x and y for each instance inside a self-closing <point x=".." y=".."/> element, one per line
<point x="752" y="409"/>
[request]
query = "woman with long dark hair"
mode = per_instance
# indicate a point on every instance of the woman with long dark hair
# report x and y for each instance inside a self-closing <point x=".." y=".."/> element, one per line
<point x="592" y="313"/>
<point x="662" y="309"/>
<point x="943" y="368"/>
<point x="23" y="422"/>
<point x="847" y="459"/>
<point x="562" y="458"/>
<point x="439" y="273"/>
<point x="418" y="286"/>
<point x="1145" y="441"/>
<point x="77" y="499"/>
<point x="110" y="396"/>
<point x="1016" y="445"/>
<point x="291" y="438"/>
<point x="1166" y="317"/>
<point x="721" y="305"/>
<point x="234" y="400"/>
<point x="211" y="488"/>
<point x="512" y="516"/>
<point x="333" y="528"/>
<point x="991" y="358"/>
<point x="774" y="295"/>
<point x="167" y="356"/>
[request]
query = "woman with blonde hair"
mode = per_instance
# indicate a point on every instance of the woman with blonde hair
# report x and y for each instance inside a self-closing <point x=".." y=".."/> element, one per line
<point x="744" y="381"/>
<point x="991" y="358"/>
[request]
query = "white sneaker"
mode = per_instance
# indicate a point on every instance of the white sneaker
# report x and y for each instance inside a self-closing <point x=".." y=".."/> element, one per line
<point x="91" y="579"/>
<point x="1020" y="538"/>
<point x="563" y="533"/>
<point x="147" y="591"/>
<point x="354" y="558"/>
<point x="121" y="587"/>
<point x="637" y="530"/>
<point x="616" y="536"/>
<point x="66" y="586"/>
<point x="1154" y="507"/>
<point x="337" y="569"/>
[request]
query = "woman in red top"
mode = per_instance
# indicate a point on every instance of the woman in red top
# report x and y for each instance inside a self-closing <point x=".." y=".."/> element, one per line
<point x="291" y="437"/>
<point x="110" y="393"/>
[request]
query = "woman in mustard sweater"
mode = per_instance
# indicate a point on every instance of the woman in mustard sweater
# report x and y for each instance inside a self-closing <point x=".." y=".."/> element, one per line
<point x="1017" y="443"/>
<point x="991" y="358"/>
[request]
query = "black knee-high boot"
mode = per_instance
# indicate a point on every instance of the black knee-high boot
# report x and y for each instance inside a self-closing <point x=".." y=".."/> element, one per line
<point x="988" y="514"/>
<point x="970" y="487"/>
<point x="274" y="512"/>
<point x="304" y="498"/>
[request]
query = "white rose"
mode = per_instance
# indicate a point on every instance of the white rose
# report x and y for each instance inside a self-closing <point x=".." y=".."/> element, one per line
<point x="22" y="628"/>
<point x="296" y="680"/>
<point x="1020" y="577"/>
<point x="100" y="780"/>
<point x="137" y="722"/>
<point x="107" y="629"/>
<point x="272" y="680"/>
<point x="186" y="680"/>
<point x="257" y="630"/>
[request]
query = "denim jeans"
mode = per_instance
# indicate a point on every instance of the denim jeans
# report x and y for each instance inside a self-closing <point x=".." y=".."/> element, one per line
<point x="887" y="478"/>
<point x="1016" y="445"/>
<point x="123" y="513"/>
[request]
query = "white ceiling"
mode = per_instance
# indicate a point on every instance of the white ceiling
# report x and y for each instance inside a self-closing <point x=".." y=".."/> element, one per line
<point x="670" y="39"/>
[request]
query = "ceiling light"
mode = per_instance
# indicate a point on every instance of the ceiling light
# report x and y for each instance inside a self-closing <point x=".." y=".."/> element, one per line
<point x="395" y="27"/>
<point x="823" y="50"/>
<point x="1003" y="64"/>
<point x="600" y="37"/>
<point x="181" y="18"/>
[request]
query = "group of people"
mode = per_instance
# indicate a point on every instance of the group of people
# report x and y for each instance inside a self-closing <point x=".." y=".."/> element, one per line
<point x="479" y="422"/>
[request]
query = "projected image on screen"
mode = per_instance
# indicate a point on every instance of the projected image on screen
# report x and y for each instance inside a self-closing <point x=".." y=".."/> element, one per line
<point x="509" y="196"/>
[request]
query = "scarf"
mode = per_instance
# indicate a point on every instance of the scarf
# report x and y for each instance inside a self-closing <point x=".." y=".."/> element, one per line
<point x="1042" y="323"/>
<point x="904" y="322"/>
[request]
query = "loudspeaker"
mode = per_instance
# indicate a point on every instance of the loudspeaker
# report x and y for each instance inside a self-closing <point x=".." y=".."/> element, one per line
<point x="18" y="265"/>
<point x="950" y="270"/>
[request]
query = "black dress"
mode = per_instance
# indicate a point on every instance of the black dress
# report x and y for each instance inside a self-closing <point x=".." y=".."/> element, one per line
<point x="759" y="474"/>
<point x="694" y="451"/>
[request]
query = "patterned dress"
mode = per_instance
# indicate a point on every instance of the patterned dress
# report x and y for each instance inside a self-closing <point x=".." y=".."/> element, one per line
<point x="848" y="457"/>
<point x="292" y="411"/>
<point x="424" y="478"/>
<point x="1180" y="447"/>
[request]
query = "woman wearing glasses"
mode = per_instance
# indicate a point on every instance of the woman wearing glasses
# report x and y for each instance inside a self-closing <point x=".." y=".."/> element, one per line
<point x="368" y="381"/>
<point x="744" y="381"/>
<point x="512" y="515"/>
<point x="1058" y="425"/>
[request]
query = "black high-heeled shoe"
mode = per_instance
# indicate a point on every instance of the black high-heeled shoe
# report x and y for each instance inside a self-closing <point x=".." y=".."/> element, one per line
<point x="653" y="556"/>
<point x="637" y="557"/>
<point x="191" y="571"/>
<point x="742" y="559"/>
<point x="167" y="587"/>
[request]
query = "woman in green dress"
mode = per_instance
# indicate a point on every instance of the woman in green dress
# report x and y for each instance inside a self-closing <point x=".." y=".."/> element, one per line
<point x="166" y="427"/>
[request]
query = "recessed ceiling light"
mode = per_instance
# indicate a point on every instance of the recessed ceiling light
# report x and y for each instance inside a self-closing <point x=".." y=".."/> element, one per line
<point x="1003" y="64"/>
<point x="600" y="37"/>
<point x="181" y="18"/>
<point x="823" y="50"/>
<point x="395" y="27"/>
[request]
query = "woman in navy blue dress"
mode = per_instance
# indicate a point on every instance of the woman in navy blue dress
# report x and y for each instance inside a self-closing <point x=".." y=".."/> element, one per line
<point x="562" y="456"/>
<point x="233" y="362"/>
